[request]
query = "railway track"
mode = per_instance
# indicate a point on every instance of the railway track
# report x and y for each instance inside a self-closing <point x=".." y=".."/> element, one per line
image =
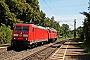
<point x="70" y="50"/>
<point x="38" y="53"/>
<point x="44" y="53"/>
<point x="18" y="55"/>
<point x="61" y="52"/>
<point x="3" y="47"/>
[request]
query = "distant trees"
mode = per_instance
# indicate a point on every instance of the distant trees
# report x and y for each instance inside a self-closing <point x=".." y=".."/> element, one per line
<point x="80" y="32"/>
<point x="65" y="31"/>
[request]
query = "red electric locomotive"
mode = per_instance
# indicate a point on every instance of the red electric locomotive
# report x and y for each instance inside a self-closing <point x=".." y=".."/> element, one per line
<point x="52" y="35"/>
<point x="30" y="34"/>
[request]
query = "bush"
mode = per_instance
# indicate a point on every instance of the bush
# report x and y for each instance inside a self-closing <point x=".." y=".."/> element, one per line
<point x="5" y="34"/>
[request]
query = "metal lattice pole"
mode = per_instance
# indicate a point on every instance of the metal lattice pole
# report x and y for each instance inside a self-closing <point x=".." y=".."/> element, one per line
<point x="74" y="28"/>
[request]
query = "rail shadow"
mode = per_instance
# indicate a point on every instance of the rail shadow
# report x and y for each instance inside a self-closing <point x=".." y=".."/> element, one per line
<point x="55" y="46"/>
<point x="80" y="57"/>
<point x="81" y="51"/>
<point x="72" y="48"/>
<point x="16" y="49"/>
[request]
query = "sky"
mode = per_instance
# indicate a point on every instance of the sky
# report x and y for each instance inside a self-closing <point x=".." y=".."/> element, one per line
<point x="65" y="11"/>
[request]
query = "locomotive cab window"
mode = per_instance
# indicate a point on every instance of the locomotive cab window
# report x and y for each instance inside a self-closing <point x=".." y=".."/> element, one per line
<point x="18" y="28"/>
<point x="25" y="28"/>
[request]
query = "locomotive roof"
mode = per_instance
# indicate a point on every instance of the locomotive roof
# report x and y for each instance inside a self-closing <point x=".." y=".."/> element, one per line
<point x="24" y="24"/>
<point x="51" y="29"/>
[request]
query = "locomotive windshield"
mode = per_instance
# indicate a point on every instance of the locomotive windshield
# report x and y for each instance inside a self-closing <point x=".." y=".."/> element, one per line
<point x="25" y="28"/>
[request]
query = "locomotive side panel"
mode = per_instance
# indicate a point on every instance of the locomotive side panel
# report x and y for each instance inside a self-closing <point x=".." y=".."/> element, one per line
<point x="40" y="35"/>
<point x="45" y="34"/>
<point x="52" y="35"/>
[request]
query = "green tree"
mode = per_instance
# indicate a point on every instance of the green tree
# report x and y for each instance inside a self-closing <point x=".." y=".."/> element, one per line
<point x="7" y="17"/>
<point x="43" y="18"/>
<point x="86" y="27"/>
<point x="36" y="11"/>
<point x="80" y="33"/>
<point x="5" y="34"/>
<point x="65" y="29"/>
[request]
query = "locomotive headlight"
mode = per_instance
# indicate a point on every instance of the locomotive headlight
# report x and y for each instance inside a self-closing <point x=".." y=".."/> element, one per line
<point x="25" y="35"/>
<point x="15" y="35"/>
<point x="14" y="38"/>
<point x="26" y="39"/>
